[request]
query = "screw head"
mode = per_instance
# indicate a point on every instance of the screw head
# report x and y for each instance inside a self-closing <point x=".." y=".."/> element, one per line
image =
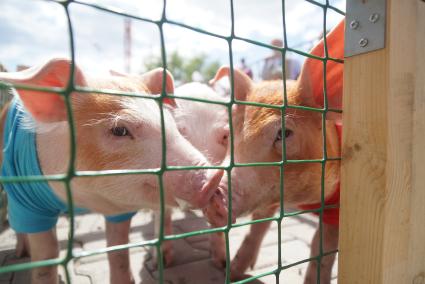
<point x="363" y="42"/>
<point x="354" y="24"/>
<point x="374" y="17"/>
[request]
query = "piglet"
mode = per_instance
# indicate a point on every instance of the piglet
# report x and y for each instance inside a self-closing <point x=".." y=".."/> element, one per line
<point x="206" y="127"/>
<point x="111" y="133"/>
<point x="258" y="137"/>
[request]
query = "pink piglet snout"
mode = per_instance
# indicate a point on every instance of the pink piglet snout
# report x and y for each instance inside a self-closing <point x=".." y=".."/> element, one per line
<point x="202" y="198"/>
<point x="217" y="212"/>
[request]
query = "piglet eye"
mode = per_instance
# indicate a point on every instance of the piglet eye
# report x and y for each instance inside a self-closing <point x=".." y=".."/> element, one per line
<point x="288" y="133"/>
<point x="120" y="131"/>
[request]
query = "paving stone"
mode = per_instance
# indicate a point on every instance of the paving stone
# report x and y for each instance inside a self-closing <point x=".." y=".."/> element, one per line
<point x="5" y="257"/>
<point x="183" y="253"/>
<point x="193" y="273"/>
<point x="269" y="279"/>
<point x="301" y="232"/>
<point x="294" y="251"/>
<point x="267" y="259"/>
<point x="238" y="234"/>
<point x="202" y="245"/>
<point x="97" y="270"/>
<point x="85" y="266"/>
<point x="142" y="226"/>
<point x="195" y="240"/>
<point x="91" y="227"/>
<point x="62" y="228"/>
<point x="293" y="275"/>
<point x="77" y="279"/>
<point x="141" y="229"/>
<point x="9" y="258"/>
<point x="272" y="236"/>
<point x="186" y="215"/>
<point x="191" y="225"/>
<point x="335" y="268"/>
<point x="21" y="278"/>
<point x="192" y="257"/>
<point x="7" y="239"/>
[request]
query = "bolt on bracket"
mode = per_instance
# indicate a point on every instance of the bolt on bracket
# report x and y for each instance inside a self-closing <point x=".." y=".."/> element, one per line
<point x="364" y="26"/>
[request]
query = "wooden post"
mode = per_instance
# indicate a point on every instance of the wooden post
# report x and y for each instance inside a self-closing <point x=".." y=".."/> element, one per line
<point x="382" y="231"/>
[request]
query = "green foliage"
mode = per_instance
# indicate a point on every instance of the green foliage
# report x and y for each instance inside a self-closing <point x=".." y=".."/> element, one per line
<point x="182" y="68"/>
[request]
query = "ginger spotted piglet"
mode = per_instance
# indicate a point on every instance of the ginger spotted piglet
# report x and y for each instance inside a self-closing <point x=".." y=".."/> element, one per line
<point x="111" y="133"/>
<point x="258" y="137"/>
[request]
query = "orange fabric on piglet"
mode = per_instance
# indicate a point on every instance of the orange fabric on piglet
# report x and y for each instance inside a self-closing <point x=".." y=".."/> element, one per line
<point x="313" y="69"/>
<point x="311" y="84"/>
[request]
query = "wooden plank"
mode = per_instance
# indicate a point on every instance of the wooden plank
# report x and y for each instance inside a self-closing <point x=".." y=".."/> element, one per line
<point x="383" y="175"/>
<point x="363" y="168"/>
<point x="417" y="229"/>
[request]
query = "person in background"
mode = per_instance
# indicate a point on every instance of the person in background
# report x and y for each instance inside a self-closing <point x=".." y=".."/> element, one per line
<point x="245" y="68"/>
<point x="272" y="68"/>
<point x="293" y="68"/>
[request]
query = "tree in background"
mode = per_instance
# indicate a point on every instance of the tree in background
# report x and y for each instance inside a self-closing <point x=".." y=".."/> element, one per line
<point x="185" y="69"/>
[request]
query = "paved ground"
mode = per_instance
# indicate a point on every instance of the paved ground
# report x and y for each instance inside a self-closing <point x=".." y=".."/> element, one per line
<point x="192" y="264"/>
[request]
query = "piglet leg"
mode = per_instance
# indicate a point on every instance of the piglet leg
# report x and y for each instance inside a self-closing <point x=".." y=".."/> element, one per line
<point x="246" y="257"/>
<point x="330" y="243"/>
<point x="119" y="261"/>
<point x="167" y="246"/>
<point x="44" y="246"/>
<point x="218" y="250"/>
<point x="22" y="245"/>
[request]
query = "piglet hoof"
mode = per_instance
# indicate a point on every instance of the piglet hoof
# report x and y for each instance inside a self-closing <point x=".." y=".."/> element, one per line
<point x="22" y="245"/>
<point x="239" y="266"/>
<point x="121" y="279"/>
<point x="167" y="255"/>
<point x="237" y="275"/>
<point x="219" y="260"/>
<point x="218" y="250"/>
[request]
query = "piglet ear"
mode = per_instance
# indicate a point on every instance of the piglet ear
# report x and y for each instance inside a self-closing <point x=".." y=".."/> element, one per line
<point x="242" y="87"/>
<point x="153" y="81"/>
<point x="242" y="83"/>
<point x="310" y="82"/>
<point x="45" y="106"/>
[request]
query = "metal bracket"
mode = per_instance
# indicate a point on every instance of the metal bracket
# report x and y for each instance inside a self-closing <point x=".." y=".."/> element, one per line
<point x="364" y="26"/>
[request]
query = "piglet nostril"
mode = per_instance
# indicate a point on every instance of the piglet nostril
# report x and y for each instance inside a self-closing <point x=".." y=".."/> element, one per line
<point x="223" y="138"/>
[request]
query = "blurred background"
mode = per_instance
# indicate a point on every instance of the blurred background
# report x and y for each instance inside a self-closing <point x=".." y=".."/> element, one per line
<point x="35" y="31"/>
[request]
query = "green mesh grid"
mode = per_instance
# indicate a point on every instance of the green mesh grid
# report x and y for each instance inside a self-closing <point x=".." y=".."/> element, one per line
<point x="67" y="177"/>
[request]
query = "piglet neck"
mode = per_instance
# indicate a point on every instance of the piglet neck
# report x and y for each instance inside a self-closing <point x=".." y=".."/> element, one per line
<point x="53" y="148"/>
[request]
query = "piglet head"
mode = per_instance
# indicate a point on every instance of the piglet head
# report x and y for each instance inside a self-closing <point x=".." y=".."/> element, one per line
<point x="205" y="125"/>
<point x="259" y="134"/>
<point x="114" y="135"/>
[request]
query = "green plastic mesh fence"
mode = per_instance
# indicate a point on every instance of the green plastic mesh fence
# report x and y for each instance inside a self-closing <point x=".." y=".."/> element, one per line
<point x="67" y="177"/>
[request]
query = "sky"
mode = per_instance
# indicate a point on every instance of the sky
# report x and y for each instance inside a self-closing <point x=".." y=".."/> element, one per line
<point x="33" y="31"/>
